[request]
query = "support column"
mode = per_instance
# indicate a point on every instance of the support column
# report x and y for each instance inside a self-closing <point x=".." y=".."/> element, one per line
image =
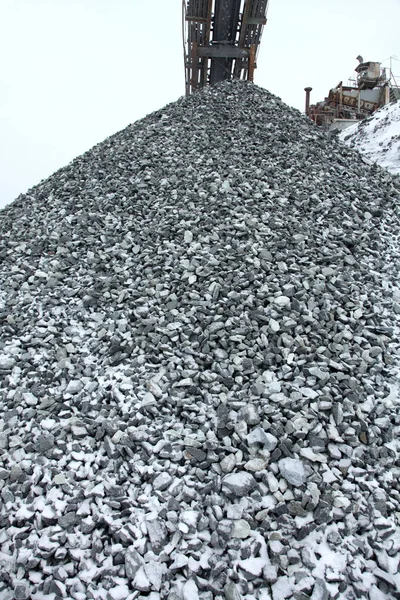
<point x="252" y="62"/>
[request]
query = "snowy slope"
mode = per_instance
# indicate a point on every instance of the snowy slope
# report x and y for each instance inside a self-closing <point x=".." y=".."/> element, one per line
<point x="378" y="137"/>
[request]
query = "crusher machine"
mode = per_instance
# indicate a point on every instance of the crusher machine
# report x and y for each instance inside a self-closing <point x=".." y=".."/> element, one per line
<point x="347" y="104"/>
<point x="221" y="40"/>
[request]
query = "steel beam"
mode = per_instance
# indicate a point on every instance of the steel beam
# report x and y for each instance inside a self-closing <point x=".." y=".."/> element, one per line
<point x="222" y="51"/>
<point x="257" y="21"/>
<point x="221" y="43"/>
<point x="252" y="63"/>
<point x="226" y="19"/>
<point x="197" y="19"/>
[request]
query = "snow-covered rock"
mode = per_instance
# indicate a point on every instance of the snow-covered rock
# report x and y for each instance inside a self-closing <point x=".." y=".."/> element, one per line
<point x="378" y="137"/>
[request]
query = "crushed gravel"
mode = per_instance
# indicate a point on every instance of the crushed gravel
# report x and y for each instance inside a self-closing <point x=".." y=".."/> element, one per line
<point x="198" y="365"/>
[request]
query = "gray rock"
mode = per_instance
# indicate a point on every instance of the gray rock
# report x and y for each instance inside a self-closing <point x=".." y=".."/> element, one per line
<point x="79" y="431"/>
<point x="228" y="463"/>
<point x="45" y="442"/>
<point x="190" y="591"/>
<point x="74" y="387"/>
<point x="239" y="484"/>
<point x="322" y="513"/>
<point x="157" y="533"/>
<point x="282" y="301"/>
<point x="320" y="591"/>
<point x="141" y="581"/>
<point x="249" y="414"/>
<point x="270" y="443"/>
<point x="21" y="591"/>
<point x="70" y="519"/>
<point x="162" y="481"/>
<point x="17" y="474"/>
<point x="293" y="471"/>
<point x="241" y="529"/>
<point x="231" y="592"/>
<point x="133" y="561"/>
<point x="259" y="436"/>
<point x="256" y="464"/>
<point x="384" y="576"/>
<point x="6" y="362"/>
<point x="154" y="572"/>
<point x="270" y="573"/>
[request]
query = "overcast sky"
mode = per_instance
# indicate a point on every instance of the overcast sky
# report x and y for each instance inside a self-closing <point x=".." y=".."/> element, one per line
<point x="76" y="71"/>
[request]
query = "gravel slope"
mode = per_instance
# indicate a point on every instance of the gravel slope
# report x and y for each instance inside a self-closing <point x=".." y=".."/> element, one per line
<point x="198" y="357"/>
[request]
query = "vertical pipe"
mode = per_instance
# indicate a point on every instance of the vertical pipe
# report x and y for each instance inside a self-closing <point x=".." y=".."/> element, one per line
<point x="195" y="67"/>
<point x="386" y="94"/>
<point x="207" y="42"/>
<point x="308" y="91"/>
<point x="252" y="59"/>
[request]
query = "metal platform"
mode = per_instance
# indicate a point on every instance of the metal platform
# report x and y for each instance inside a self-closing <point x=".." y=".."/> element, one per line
<point x="221" y="39"/>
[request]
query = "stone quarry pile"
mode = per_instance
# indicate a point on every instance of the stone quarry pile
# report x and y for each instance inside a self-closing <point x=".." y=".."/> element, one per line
<point x="198" y="365"/>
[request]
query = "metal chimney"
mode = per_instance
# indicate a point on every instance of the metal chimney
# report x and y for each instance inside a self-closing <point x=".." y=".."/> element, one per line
<point x="308" y="91"/>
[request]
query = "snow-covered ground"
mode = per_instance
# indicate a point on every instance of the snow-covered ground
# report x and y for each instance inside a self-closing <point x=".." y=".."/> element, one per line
<point x="378" y="137"/>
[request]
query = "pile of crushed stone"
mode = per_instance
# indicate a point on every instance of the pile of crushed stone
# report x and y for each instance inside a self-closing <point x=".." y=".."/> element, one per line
<point x="199" y="356"/>
<point x="378" y="137"/>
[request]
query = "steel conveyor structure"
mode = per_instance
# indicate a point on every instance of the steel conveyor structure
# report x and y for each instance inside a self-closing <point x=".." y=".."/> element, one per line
<point x="221" y="39"/>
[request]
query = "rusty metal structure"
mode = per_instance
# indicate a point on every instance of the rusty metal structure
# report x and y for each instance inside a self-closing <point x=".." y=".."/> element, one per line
<point x="372" y="88"/>
<point x="221" y="40"/>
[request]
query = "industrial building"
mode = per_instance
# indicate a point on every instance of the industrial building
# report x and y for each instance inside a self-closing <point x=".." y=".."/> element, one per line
<point x="372" y="88"/>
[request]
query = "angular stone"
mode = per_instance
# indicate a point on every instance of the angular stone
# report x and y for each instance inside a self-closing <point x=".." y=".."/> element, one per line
<point x="241" y="529"/>
<point x="74" y="387"/>
<point x="282" y="588"/>
<point x="252" y="567"/>
<point x="239" y="484"/>
<point x="228" y="463"/>
<point x="190" y="591"/>
<point x="188" y="237"/>
<point x="21" y="591"/>
<point x="68" y="520"/>
<point x="154" y="573"/>
<point x="45" y="442"/>
<point x="249" y="414"/>
<point x="157" y="533"/>
<point x="141" y="581"/>
<point x="231" y="592"/>
<point x="162" y="481"/>
<point x="282" y="301"/>
<point x="293" y="471"/>
<point x="320" y="591"/>
<point x="255" y="465"/>
<point x="270" y="573"/>
<point x="133" y="561"/>
<point x="6" y="362"/>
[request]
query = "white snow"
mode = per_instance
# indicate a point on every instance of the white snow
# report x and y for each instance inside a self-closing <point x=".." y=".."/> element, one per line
<point x="378" y="137"/>
<point x="254" y="566"/>
<point x="190" y="591"/>
<point x="119" y="593"/>
<point x="283" y="588"/>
